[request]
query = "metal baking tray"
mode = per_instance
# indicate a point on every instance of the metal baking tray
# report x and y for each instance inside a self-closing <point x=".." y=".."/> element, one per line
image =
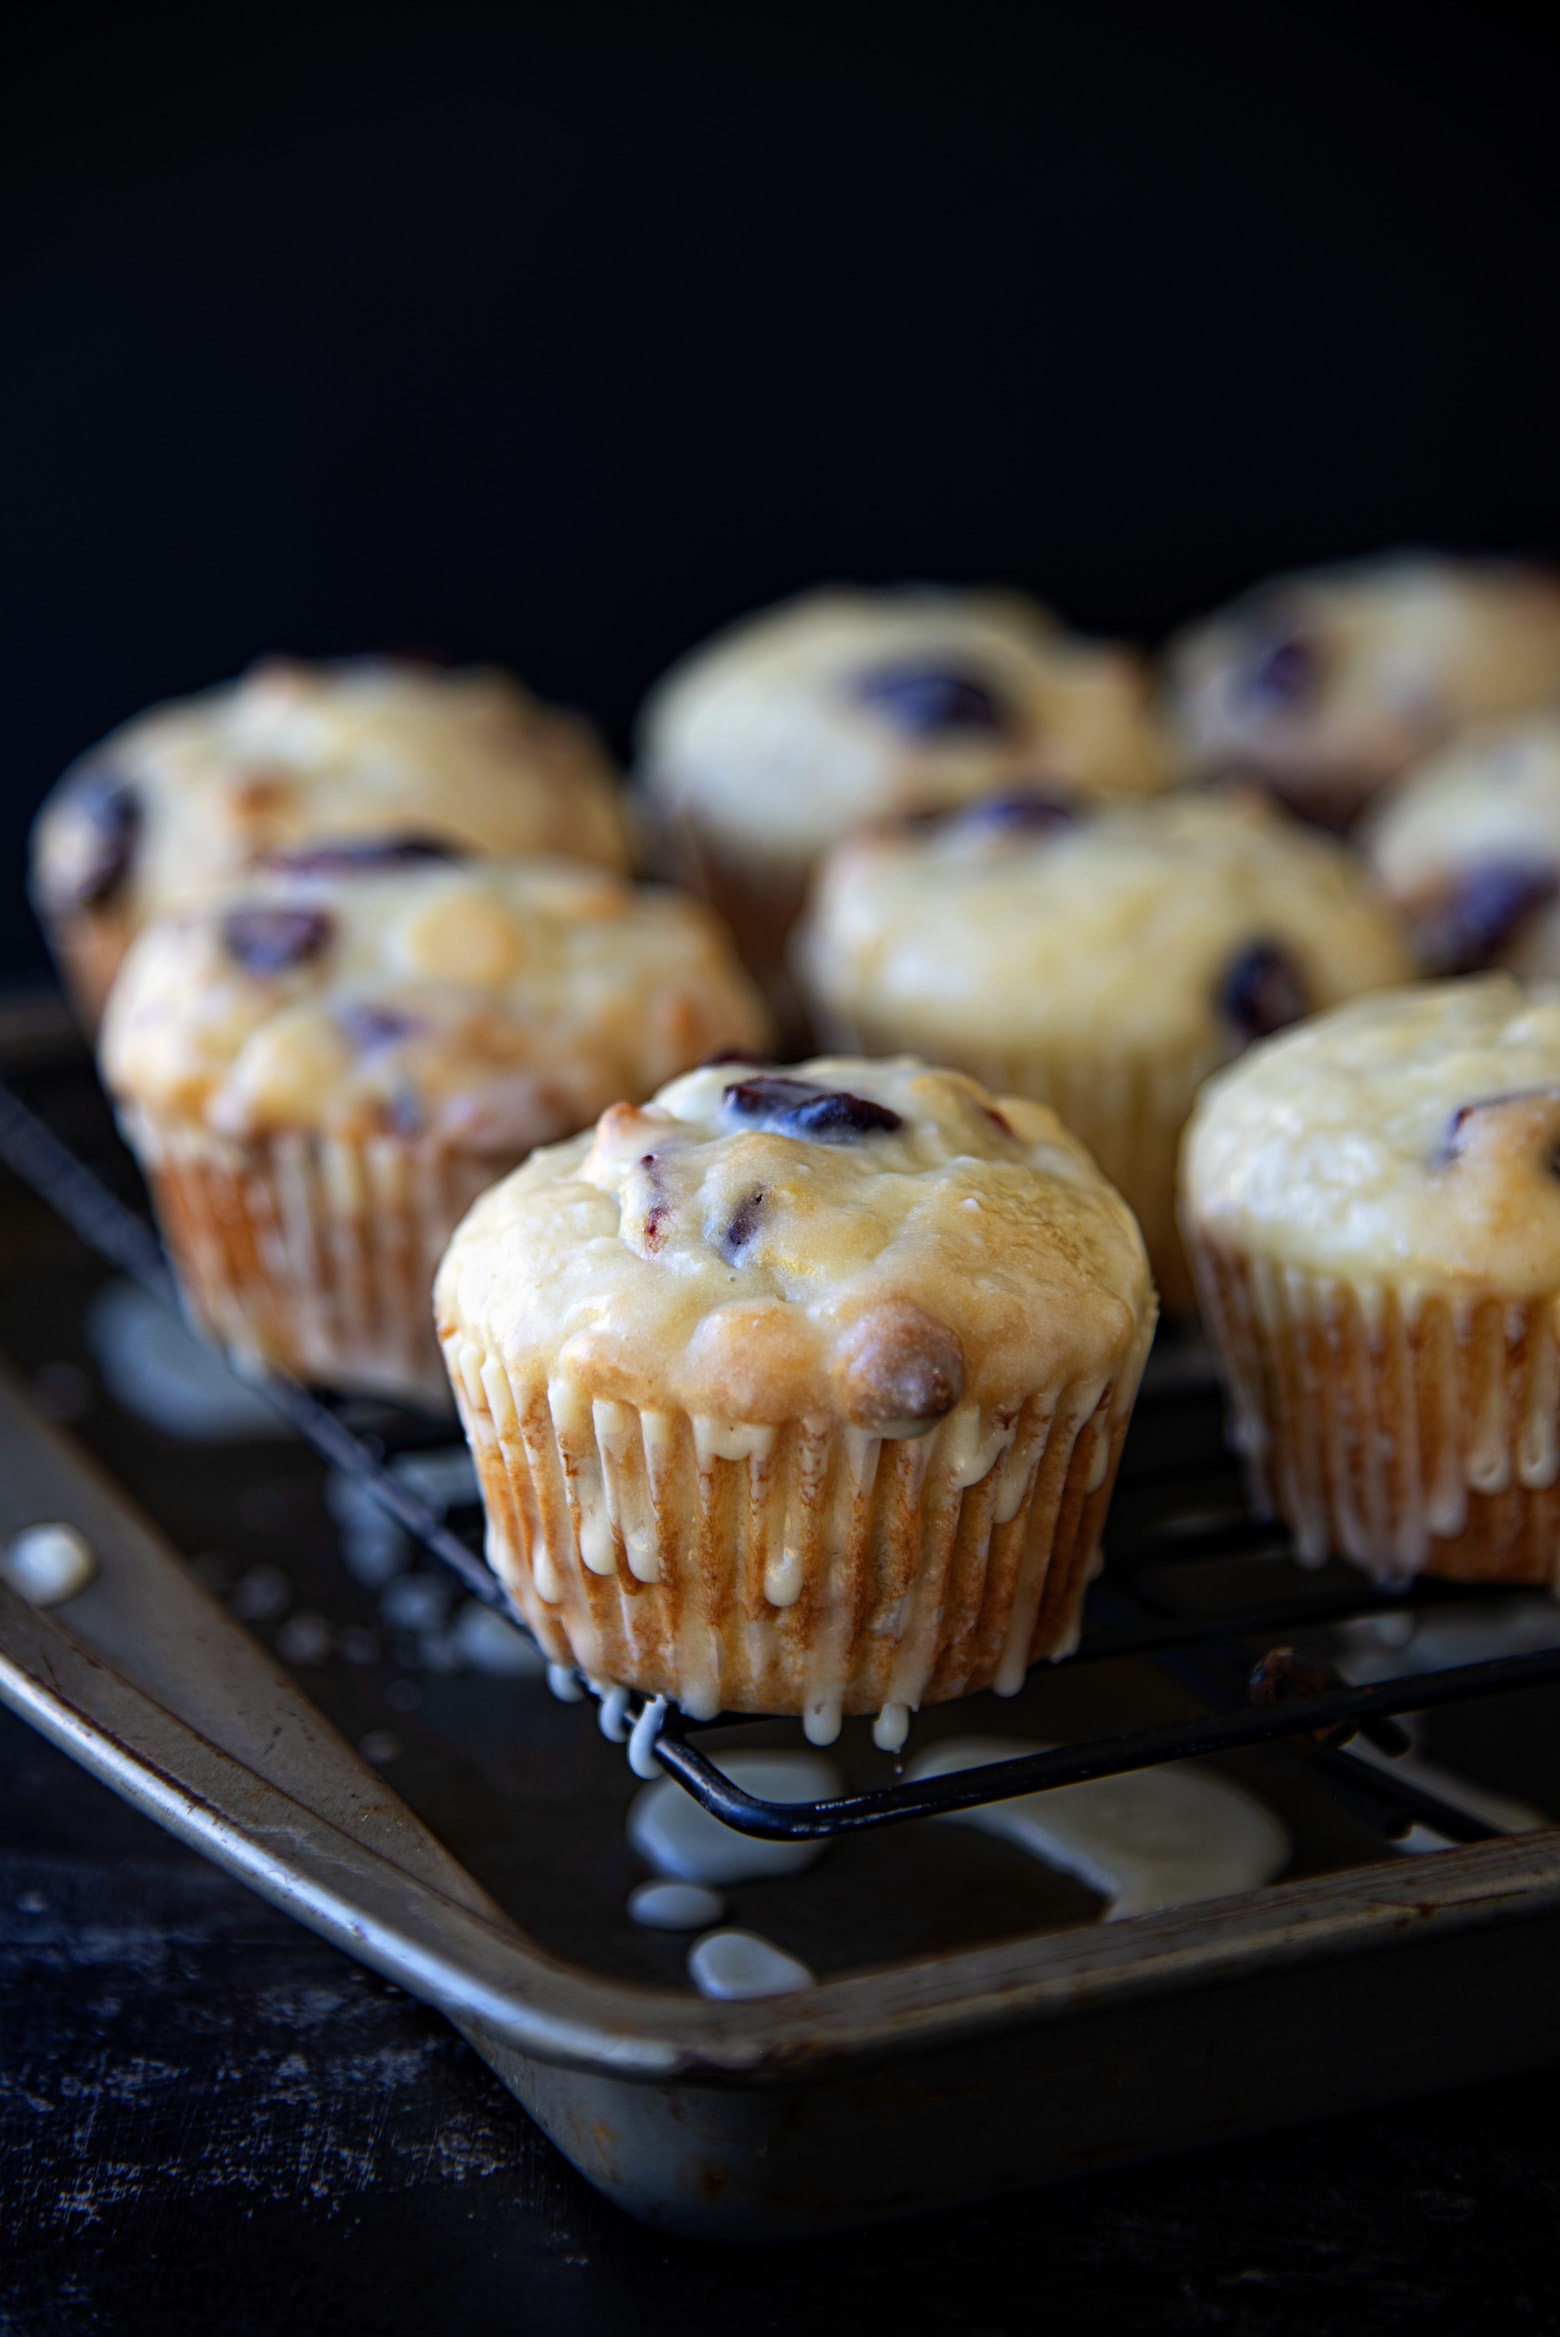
<point x="1018" y="2040"/>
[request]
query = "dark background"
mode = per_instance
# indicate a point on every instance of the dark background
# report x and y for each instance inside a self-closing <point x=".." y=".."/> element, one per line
<point x="559" y="336"/>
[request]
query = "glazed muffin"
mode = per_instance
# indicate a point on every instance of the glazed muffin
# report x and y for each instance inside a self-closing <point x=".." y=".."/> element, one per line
<point x="1468" y="849"/>
<point x="1102" y="962"/>
<point x="1328" y="685"/>
<point x="321" y="1069"/>
<point x="800" y="1392"/>
<point x="183" y="797"/>
<point x="1372" y="1206"/>
<point x="768" y="743"/>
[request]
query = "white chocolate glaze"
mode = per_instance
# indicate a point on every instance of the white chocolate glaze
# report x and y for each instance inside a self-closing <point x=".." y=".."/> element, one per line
<point x="48" y="1564"/>
<point x="1107" y="939"/>
<point x="293" y="754"/>
<point x="736" y="1967"/>
<point x="771" y="740"/>
<point x="385" y="1022"/>
<point x="1155" y="1838"/>
<point x="1402" y="1140"/>
<point x="675" y="1906"/>
<point x="682" y="1840"/>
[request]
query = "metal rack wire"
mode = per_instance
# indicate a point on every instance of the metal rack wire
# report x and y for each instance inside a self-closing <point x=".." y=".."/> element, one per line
<point x="1209" y="1654"/>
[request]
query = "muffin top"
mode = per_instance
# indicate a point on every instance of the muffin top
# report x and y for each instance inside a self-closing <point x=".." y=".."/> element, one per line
<point x="1331" y="683"/>
<point x="843" y="705"/>
<point x="1409" y="1138"/>
<point x="485" y="1004"/>
<point x="294" y="754"/>
<point x="1185" y="926"/>
<point x="873" y="1243"/>
<point x="1469" y="850"/>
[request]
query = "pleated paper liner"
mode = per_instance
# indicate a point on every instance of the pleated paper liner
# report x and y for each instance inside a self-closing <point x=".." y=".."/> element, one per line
<point x="808" y="1568"/>
<point x="314" y="1255"/>
<point x="1417" y="1437"/>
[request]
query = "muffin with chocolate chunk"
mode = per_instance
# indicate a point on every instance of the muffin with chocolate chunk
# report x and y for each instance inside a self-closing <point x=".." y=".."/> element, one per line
<point x="800" y="1392"/>
<point x="1373" y="1207"/>
<point x="178" y="800"/>
<point x="1468" y="850"/>
<point x="322" y="1068"/>
<point x="1103" y="962"/>
<point x="1328" y="685"/>
<point x="768" y="743"/>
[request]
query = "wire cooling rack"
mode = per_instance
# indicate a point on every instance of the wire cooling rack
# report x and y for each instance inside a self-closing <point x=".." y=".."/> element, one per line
<point x="1256" y="1692"/>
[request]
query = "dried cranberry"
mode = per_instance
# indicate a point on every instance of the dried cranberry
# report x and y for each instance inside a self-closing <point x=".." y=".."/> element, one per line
<point x="1478" y="918"/>
<point x="926" y="699"/>
<point x="795" y="1107"/>
<point x="743" y="1226"/>
<point x="1022" y="808"/>
<point x="1282" y="673"/>
<point x="370" y="1026"/>
<point x="109" y="810"/>
<point x="1452" y="1141"/>
<point x="1263" y="991"/>
<point x="362" y="855"/>
<point x="270" y="940"/>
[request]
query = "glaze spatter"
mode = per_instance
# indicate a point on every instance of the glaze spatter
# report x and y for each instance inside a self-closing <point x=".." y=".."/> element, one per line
<point x="686" y="1843"/>
<point x="1156" y="1838"/>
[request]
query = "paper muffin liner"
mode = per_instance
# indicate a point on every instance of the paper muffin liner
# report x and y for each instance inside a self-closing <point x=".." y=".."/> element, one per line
<point x="807" y="1568"/>
<point x="1418" y="1435"/>
<point x="1128" y="1110"/>
<point x="313" y="1255"/>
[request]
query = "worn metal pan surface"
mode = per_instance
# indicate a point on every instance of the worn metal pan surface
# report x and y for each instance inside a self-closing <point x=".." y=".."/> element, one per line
<point x="877" y="2093"/>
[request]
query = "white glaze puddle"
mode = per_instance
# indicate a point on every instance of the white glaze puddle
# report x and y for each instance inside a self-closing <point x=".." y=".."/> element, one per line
<point x="1155" y="1838"/>
<point x="675" y="1906"/>
<point x="161" y="1372"/>
<point x="734" y="1967"/>
<point x="679" y="1839"/>
<point x="48" y="1564"/>
<point x="1381" y="1647"/>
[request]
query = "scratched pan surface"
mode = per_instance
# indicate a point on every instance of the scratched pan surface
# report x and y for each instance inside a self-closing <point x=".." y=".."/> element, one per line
<point x="975" y="2027"/>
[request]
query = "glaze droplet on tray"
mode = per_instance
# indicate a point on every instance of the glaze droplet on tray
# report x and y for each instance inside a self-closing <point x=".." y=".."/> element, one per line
<point x="680" y="1839"/>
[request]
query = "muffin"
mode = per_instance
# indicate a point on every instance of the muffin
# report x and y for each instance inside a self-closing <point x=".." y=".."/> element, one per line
<point x="800" y="1392"/>
<point x="1328" y="685"/>
<point x="1101" y="962"/>
<point x="765" y="745"/>
<point x="320" y="1070"/>
<point x="1468" y="850"/>
<point x="1372" y="1206"/>
<point x="183" y="797"/>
